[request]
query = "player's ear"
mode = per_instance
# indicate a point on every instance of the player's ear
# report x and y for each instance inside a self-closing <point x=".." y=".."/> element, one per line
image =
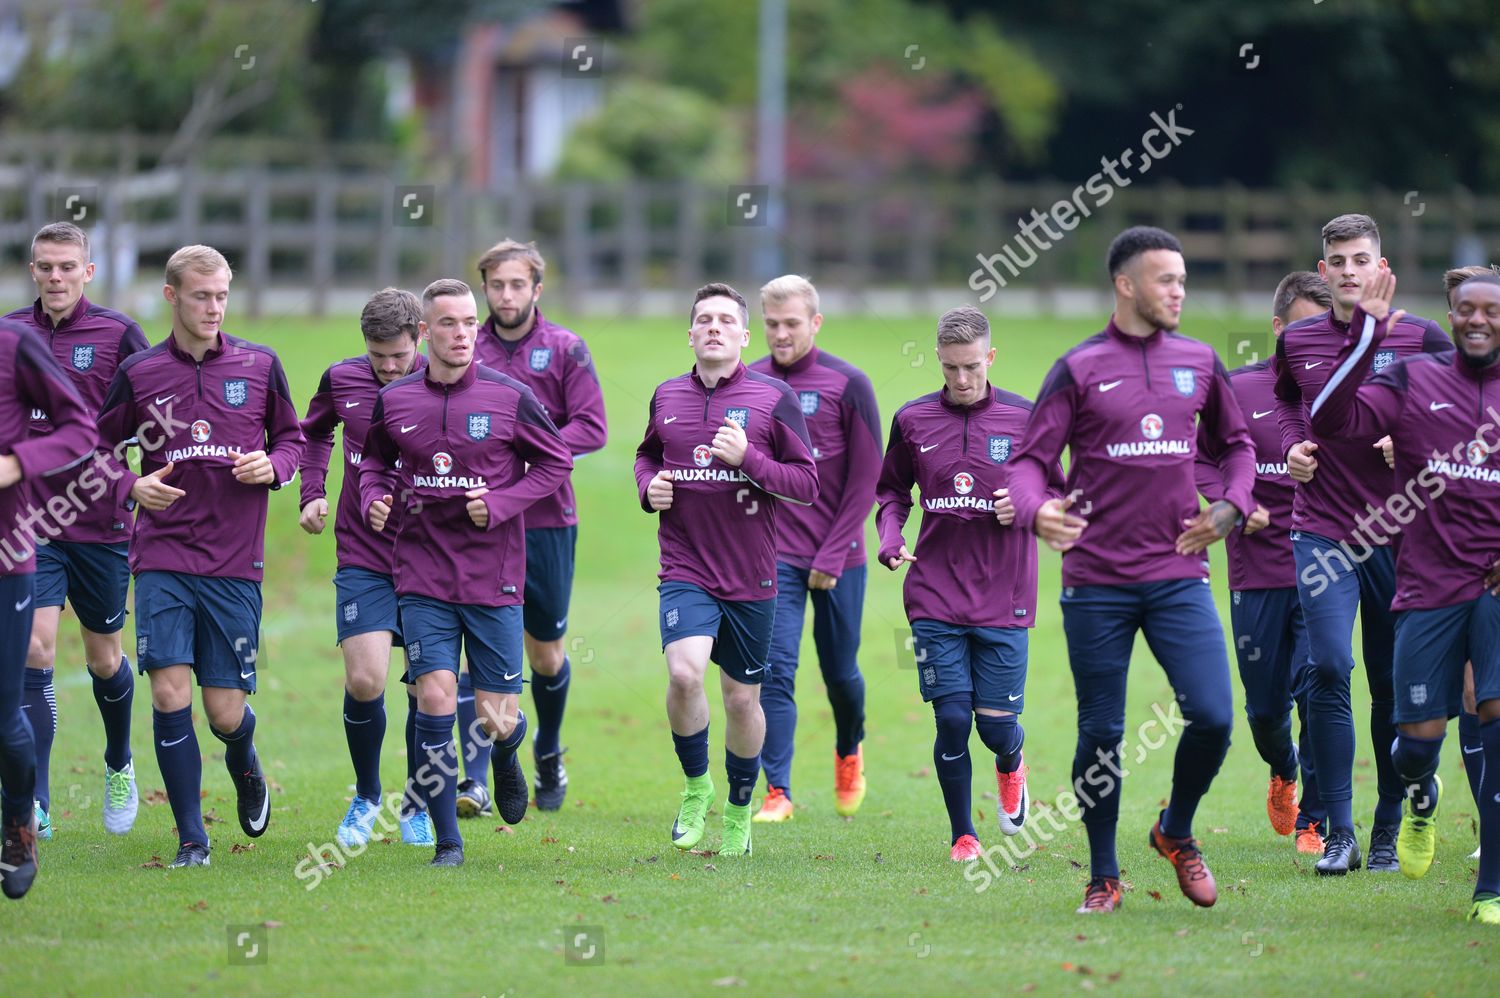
<point x="169" y="293"/>
<point x="88" y="272"/>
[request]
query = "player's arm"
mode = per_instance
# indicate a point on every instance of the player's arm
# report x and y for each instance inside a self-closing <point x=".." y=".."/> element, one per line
<point x="1035" y="465"/>
<point x="1434" y="340"/>
<point x="119" y="428"/>
<point x="284" y="439"/>
<point x="318" y="428"/>
<point x="861" y="427"/>
<point x="42" y="384"/>
<point x="653" y="484"/>
<point x="538" y="443"/>
<point x="898" y="475"/>
<point x="788" y="471"/>
<point x="1223" y="421"/>
<point x="377" y="472"/>
<point x="1348" y="408"/>
<point x="1296" y="445"/>
<point x="586" y="429"/>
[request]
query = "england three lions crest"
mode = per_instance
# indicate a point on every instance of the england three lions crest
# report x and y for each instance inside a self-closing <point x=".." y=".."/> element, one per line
<point x="236" y="392"/>
<point x="540" y="358"/>
<point x="479" y="425"/>
<point x="1382" y="360"/>
<point x="1184" y="380"/>
<point x="811" y="402"/>
<point x="739" y="417"/>
<point x="83" y="357"/>
<point x="1000" y="449"/>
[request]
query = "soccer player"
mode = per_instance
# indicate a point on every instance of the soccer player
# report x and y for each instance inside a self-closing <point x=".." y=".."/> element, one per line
<point x="1340" y="483"/>
<point x="1440" y="411"/>
<point x="820" y="548"/>
<point x="467" y="449"/>
<point x="1127" y="403"/>
<point x="85" y="560"/>
<point x="556" y="365"/>
<point x="229" y="436"/>
<point x="366" y="616"/>
<point x="737" y="443"/>
<point x="1270" y="639"/>
<point x="30" y="380"/>
<point x="970" y="640"/>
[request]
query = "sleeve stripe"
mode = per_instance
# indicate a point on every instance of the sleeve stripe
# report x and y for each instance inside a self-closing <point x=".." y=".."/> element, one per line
<point x="1360" y="349"/>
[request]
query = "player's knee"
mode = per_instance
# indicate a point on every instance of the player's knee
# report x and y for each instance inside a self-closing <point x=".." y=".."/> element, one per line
<point x="953" y="717"/>
<point x="1099" y="735"/>
<point x="1331" y="673"/>
<point x="683" y="679"/>
<point x="41" y="653"/>
<point x="365" y="684"/>
<point x="741" y="699"/>
<point x="225" y="716"/>
<point x="546" y="657"/>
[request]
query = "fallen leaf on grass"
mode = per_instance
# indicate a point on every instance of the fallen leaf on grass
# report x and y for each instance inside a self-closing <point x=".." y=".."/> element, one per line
<point x="199" y="905"/>
<point x="154" y="863"/>
<point x="240" y="847"/>
<point x="505" y="830"/>
<point x="920" y="774"/>
<point x="1155" y="895"/>
<point x="155" y="797"/>
<point x="610" y="899"/>
<point x="270" y="924"/>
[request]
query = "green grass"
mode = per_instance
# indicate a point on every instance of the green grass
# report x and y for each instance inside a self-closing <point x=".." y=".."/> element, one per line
<point x="870" y="905"/>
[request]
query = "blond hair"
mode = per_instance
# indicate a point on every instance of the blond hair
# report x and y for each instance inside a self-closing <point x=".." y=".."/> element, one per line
<point x="789" y="286"/>
<point x="199" y="259"/>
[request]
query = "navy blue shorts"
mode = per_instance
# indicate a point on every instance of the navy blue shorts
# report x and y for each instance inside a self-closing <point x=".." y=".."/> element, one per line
<point x="549" y="580"/>
<point x="93" y="578"/>
<point x="1431" y="649"/>
<point x="741" y="630"/>
<point x="210" y="624"/>
<point x="836" y="624"/>
<point x="1270" y="645"/>
<point x="988" y="663"/>
<point x="490" y="637"/>
<point x="366" y="602"/>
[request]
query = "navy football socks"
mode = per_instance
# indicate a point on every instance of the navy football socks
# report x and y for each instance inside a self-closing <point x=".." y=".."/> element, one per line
<point x="115" y="697"/>
<point x="692" y="752"/>
<point x="1003" y="736"/>
<point x="39" y="702"/>
<point x="742" y="772"/>
<point x="364" y="729"/>
<point x="950" y="758"/>
<point x="437" y="774"/>
<point x="181" y="770"/>
<point x="1273" y="740"/>
<point x="474" y="744"/>
<point x="1489" y="812"/>
<point x="239" y="744"/>
<point x="1473" y="749"/>
<point x="505" y="752"/>
<point x="550" y="694"/>
<point x="1416" y="762"/>
<point x="848" y="702"/>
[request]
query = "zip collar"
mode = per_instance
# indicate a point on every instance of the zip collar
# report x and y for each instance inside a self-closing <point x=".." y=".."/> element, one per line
<point x="1117" y="334"/>
<point x="972" y="408"/>
<point x="732" y="378"/>
<point x="462" y="384"/>
<point x="212" y="353"/>
<point x="41" y="318"/>
<point x="797" y="366"/>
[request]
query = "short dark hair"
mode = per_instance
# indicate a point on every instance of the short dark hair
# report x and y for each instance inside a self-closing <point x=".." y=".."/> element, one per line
<point x="390" y="314"/>
<point x="62" y="232"/>
<point x="1299" y="285"/>
<point x="1352" y="226"/>
<point x="1453" y="278"/>
<point x="445" y="287"/>
<point x="718" y="290"/>
<point x="510" y="249"/>
<point x="1136" y="240"/>
<point x="1484" y="277"/>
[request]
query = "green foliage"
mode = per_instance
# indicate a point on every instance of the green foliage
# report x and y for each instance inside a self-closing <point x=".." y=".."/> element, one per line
<point x="654" y="131"/>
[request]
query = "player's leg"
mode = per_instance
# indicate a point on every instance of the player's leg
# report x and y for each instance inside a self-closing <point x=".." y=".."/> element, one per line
<point x="416" y="824"/>
<point x="39" y="697"/>
<point x="18" y="827"/>
<point x="838" y="615"/>
<point x="367" y="659"/>
<point x="1469" y="742"/>
<point x="492" y="641"/>
<point x="1328" y="589"/>
<point x="1377" y="578"/>
<point x="474" y="750"/>
<point x="98" y="583"/>
<point x="1263" y="654"/>
<point x="227" y="647"/>
<point x="1100" y="623"/>
<point x="778" y="692"/>
<point x="550" y="553"/>
<point x="945" y="679"/>
<point x="433" y="631"/>
<point x="1484" y="651"/>
<point x="999" y="656"/>
<point x="689" y="620"/>
<point x="164" y="645"/>
<point x="1312" y="816"/>
<point x="1183" y="630"/>
<point x="743" y="653"/>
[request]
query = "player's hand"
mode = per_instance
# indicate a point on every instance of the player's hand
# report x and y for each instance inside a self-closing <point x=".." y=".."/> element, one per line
<point x="10" y="470"/>
<point x="730" y="443"/>
<point x="659" y="492"/>
<point x="253" y="468"/>
<point x="314" y="516"/>
<point x="478" y="511"/>
<point x="896" y="560"/>
<point x="1387" y="450"/>
<point x="1300" y="463"/>
<point x="153" y="493"/>
<point x="1492" y="579"/>
<point x="1058" y="527"/>
<point x="1376" y="296"/>
<point x="379" y="512"/>
<point x="1259" y="520"/>
<point x="1208" y="526"/>
<point x="821" y="580"/>
<point x="1005" y="510"/>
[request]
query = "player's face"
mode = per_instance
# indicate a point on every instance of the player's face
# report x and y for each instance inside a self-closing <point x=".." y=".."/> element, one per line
<point x="60" y="272"/>
<point x="392" y="359"/>
<point x="1302" y="308"/>
<point x="1348" y="266"/>
<point x="510" y="293"/>
<point x="718" y="333"/>
<point x="451" y="324"/>
<point x="1476" y="323"/>
<point x="198" y="305"/>
<point x="966" y="369"/>
<point x="1157" y="281"/>
<point x="790" y="328"/>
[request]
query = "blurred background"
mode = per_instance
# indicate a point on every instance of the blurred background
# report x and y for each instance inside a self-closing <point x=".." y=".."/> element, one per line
<point x="894" y="151"/>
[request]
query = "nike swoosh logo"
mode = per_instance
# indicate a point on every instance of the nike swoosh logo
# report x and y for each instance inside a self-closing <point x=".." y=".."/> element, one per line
<point x="177" y="742"/>
<point x="350" y="720"/>
<point x="350" y="405"/>
<point x="1013" y="697"/>
<point x="23" y="604"/>
<point x="929" y="447"/>
<point x="511" y="675"/>
<point x="952" y="758"/>
<point x="166" y="398"/>
<point x="117" y="699"/>
<point x="465" y="699"/>
<point x="1261" y="415"/>
<point x="1110" y="385"/>
<point x="560" y="624"/>
<point x="247" y="675"/>
<point x="751" y="672"/>
<point x="1435" y="406"/>
<point x="1473" y="751"/>
<point x="554" y="688"/>
<point x="432" y="748"/>
<point x="408" y="429"/>
<point x="669" y="419"/>
<point x="114" y="618"/>
<point x="1312" y="364"/>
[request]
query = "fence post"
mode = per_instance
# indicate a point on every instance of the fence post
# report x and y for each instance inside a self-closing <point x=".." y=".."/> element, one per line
<point x="634" y="239"/>
<point x="324" y="238"/>
<point x="257" y="239"/>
